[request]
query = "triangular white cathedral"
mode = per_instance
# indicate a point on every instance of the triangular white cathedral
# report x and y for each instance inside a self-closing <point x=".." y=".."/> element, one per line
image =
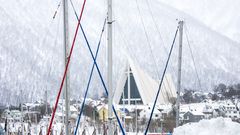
<point x="142" y="89"/>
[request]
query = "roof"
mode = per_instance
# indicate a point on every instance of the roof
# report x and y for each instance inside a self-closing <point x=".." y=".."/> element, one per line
<point x="73" y="109"/>
<point x="102" y="106"/>
<point x="147" y="86"/>
<point x="196" y="113"/>
<point x="148" y="111"/>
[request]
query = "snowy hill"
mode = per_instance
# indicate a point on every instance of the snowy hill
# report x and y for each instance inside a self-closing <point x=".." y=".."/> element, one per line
<point x="220" y="15"/>
<point x="31" y="51"/>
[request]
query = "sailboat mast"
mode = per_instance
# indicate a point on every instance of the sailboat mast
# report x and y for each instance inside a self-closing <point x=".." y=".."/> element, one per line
<point x="180" y="23"/>
<point x="22" y="115"/>
<point x="66" y="51"/>
<point x="46" y="103"/>
<point x="110" y="91"/>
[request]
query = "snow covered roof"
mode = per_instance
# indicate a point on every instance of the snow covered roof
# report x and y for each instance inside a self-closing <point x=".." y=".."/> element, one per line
<point x="147" y="86"/>
<point x="197" y="113"/>
<point x="73" y="109"/>
<point x="60" y="114"/>
<point x="102" y="106"/>
<point x="74" y="116"/>
<point x="192" y="107"/>
<point x="148" y="111"/>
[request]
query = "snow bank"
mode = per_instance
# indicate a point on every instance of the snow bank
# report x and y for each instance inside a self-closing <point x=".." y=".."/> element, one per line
<point x="217" y="126"/>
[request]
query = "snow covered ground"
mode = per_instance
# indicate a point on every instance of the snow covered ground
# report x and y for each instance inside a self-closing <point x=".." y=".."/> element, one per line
<point x="218" y="126"/>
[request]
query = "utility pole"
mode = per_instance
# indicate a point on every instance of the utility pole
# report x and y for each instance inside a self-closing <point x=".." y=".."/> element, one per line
<point x="66" y="51"/>
<point x="180" y="25"/>
<point x="110" y="90"/>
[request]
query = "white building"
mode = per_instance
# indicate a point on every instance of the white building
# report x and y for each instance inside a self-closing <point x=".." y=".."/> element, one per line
<point x="143" y="88"/>
<point x="145" y="113"/>
<point x="231" y="111"/>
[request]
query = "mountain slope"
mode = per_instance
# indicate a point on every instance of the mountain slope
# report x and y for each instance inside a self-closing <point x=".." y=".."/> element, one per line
<point x="219" y="15"/>
<point x="32" y="51"/>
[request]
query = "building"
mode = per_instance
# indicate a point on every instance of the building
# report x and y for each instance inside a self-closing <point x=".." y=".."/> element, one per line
<point x="192" y="116"/>
<point x="231" y="111"/>
<point x="142" y="89"/>
<point x="208" y="111"/>
<point x="13" y="115"/>
<point x="147" y="112"/>
<point x="103" y="112"/>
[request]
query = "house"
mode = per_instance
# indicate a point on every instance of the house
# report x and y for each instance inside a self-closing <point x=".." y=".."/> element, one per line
<point x="16" y="115"/>
<point x="6" y="113"/>
<point x="59" y="117"/>
<point x="143" y="88"/>
<point x="33" y="116"/>
<point x="73" y="114"/>
<point x="73" y="110"/>
<point x="103" y="113"/>
<point x="73" y="118"/>
<point x="192" y="116"/>
<point x="231" y="111"/>
<point x="145" y="113"/>
<point x="208" y="111"/>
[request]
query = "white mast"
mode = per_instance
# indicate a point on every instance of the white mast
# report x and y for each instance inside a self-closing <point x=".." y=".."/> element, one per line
<point x="66" y="50"/>
<point x="110" y="91"/>
<point x="46" y="103"/>
<point x="180" y="23"/>
<point x="22" y="115"/>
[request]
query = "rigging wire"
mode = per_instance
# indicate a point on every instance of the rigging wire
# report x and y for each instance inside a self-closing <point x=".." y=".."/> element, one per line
<point x="103" y="83"/>
<point x="127" y="44"/>
<point x="147" y="38"/>
<point x="89" y="80"/>
<point x="100" y="75"/>
<point x="192" y="56"/>
<point x="148" y="41"/>
<point x="158" y="31"/>
<point x="55" y="43"/>
<point x="66" y="68"/>
<point x="47" y="33"/>
<point x="74" y="10"/>
<point x="159" y="88"/>
<point x="156" y="26"/>
<point x="55" y="13"/>
<point x="53" y="18"/>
